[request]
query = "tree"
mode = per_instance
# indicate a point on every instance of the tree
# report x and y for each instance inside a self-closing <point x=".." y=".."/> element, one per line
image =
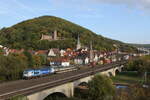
<point x="12" y="66"/>
<point x="29" y="59"/>
<point x="101" y="88"/>
<point x="37" y="61"/>
<point x="141" y="65"/>
<point x="43" y="59"/>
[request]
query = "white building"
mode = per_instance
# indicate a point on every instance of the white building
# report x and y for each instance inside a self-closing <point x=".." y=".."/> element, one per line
<point x="87" y="60"/>
<point x="66" y="63"/>
<point x="62" y="53"/>
<point x="96" y="58"/>
<point x="78" y="61"/>
<point x="51" y="53"/>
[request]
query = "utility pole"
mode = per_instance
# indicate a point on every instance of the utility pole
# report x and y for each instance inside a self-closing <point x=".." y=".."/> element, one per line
<point x="91" y="52"/>
<point x="78" y="43"/>
<point x="145" y="77"/>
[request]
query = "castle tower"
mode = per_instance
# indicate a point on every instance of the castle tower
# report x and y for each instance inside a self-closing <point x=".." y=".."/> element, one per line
<point x="55" y="35"/>
<point x="78" y="44"/>
<point x="42" y="38"/>
<point x="91" y="52"/>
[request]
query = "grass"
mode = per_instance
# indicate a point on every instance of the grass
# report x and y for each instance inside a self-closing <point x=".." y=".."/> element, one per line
<point x="128" y="78"/>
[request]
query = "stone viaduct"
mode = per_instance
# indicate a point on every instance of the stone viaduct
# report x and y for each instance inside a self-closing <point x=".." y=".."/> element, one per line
<point x="67" y="89"/>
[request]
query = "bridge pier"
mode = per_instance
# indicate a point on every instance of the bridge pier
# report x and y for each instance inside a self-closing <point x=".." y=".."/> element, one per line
<point x="108" y="73"/>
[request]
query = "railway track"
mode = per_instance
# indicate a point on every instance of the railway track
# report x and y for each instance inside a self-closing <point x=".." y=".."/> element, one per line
<point x="26" y="87"/>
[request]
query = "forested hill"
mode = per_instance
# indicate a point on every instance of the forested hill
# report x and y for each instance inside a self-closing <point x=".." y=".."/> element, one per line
<point x="27" y="34"/>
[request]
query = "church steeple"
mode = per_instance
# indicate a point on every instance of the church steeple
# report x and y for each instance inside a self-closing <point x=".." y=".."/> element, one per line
<point x="78" y="43"/>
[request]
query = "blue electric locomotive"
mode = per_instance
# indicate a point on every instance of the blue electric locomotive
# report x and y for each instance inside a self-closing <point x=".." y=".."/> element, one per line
<point x="31" y="73"/>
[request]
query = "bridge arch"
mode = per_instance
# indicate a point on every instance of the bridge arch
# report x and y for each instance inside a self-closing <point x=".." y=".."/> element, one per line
<point x="55" y="96"/>
<point x="65" y="90"/>
<point x="117" y="71"/>
<point x="82" y="81"/>
<point x="83" y="84"/>
<point x="110" y="74"/>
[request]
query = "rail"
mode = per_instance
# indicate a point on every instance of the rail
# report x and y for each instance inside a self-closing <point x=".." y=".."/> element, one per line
<point x="52" y="82"/>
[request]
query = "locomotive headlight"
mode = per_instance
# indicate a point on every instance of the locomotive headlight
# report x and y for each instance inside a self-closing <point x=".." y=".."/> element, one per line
<point x="29" y="74"/>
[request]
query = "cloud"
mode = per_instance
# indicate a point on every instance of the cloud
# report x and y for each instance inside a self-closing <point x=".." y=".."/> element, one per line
<point x="142" y="4"/>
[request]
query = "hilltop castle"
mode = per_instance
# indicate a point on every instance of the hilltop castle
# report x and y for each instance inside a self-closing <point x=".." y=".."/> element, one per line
<point x="50" y="38"/>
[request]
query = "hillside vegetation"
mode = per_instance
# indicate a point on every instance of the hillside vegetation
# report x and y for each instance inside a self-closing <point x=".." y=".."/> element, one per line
<point x="27" y="34"/>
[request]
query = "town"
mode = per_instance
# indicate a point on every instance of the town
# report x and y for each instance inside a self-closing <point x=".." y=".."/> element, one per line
<point x="80" y="55"/>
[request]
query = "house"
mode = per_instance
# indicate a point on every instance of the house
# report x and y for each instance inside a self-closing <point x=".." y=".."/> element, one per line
<point x="65" y="62"/>
<point x="96" y="58"/>
<point x="82" y="58"/>
<point x="78" y="61"/>
<point x="62" y="52"/>
<point x="84" y="49"/>
<point x="15" y="51"/>
<point x="101" y="55"/>
<point x="40" y="52"/>
<point x="6" y="51"/>
<point x="1" y="46"/>
<point x="60" y="62"/>
<point x="101" y="62"/>
<point x="68" y="53"/>
<point x="87" y="60"/>
<point x="56" y="51"/>
<point x="32" y="52"/>
<point x="51" y="53"/>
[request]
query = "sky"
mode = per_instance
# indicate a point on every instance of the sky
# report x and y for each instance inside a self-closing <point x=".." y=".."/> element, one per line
<point x="124" y="20"/>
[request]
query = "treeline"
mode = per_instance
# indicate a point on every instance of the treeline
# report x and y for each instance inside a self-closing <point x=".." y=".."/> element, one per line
<point x="13" y="65"/>
<point x="141" y="64"/>
<point x="27" y="34"/>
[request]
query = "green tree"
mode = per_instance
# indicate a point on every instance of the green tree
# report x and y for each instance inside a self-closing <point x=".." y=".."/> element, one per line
<point x="101" y="88"/>
<point x="43" y="59"/>
<point x="29" y="59"/>
<point x="141" y="65"/>
<point x="12" y="66"/>
<point x="37" y="61"/>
